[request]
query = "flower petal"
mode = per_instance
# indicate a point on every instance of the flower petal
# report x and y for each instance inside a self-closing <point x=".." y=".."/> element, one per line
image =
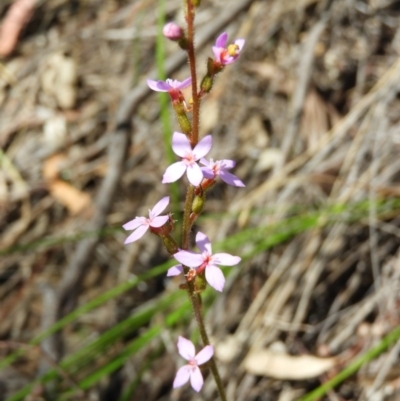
<point x="204" y="355"/>
<point x="221" y="40"/>
<point x="153" y="85"/>
<point x="217" y="53"/>
<point x="181" y="144"/>
<point x="231" y="179"/>
<point x="225" y="259"/>
<point x="227" y="164"/>
<point x="138" y="233"/>
<point x="174" y="172"/>
<point x="196" y="379"/>
<point x="205" y="162"/>
<point x="175" y="270"/>
<point x="135" y="223"/>
<point x="184" y="84"/>
<point x="158" y="86"/>
<point x="189" y="258"/>
<point x="194" y="174"/>
<point x="227" y="60"/>
<point x="207" y="173"/>
<point x="215" y="277"/>
<point x="163" y="86"/>
<point x="240" y="43"/>
<point x="186" y="348"/>
<point x="159" y="207"/>
<point x="159" y="221"/>
<point x="203" y="243"/>
<point x="182" y="376"/>
<point x="203" y="147"/>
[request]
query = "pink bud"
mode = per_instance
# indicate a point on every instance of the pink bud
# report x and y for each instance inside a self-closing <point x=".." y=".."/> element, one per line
<point x="172" y="31"/>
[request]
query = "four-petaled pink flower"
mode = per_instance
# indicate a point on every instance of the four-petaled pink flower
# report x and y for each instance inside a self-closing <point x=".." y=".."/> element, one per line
<point x="181" y="146"/>
<point x="191" y="370"/>
<point x="141" y="224"/>
<point x="168" y="85"/>
<point x="227" y="55"/>
<point x="213" y="169"/>
<point x="205" y="261"/>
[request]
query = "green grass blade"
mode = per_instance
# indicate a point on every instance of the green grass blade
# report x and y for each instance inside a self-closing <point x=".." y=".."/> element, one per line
<point x="89" y="352"/>
<point x="165" y="105"/>
<point x="368" y="356"/>
<point x="96" y="302"/>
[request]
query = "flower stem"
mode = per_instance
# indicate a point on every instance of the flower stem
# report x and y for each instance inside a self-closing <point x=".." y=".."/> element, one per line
<point x="194" y="138"/>
<point x="197" y="308"/>
<point x="194" y="297"/>
<point x="186" y="225"/>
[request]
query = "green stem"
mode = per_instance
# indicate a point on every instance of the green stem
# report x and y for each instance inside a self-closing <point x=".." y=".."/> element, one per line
<point x="186" y="226"/>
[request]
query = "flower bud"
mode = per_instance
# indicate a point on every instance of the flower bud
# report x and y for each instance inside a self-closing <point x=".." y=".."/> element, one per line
<point x="170" y="244"/>
<point x="206" y="84"/>
<point x="173" y="31"/>
<point x="198" y="203"/>
<point x="200" y="283"/>
<point x="184" y="123"/>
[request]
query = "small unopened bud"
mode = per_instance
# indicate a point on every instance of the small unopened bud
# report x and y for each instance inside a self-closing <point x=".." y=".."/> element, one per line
<point x="184" y="123"/>
<point x="206" y="84"/>
<point x="170" y="244"/>
<point x="198" y="204"/>
<point x="200" y="283"/>
<point x="173" y="31"/>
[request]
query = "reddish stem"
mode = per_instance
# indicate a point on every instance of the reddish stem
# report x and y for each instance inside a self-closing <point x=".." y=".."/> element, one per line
<point x="194" y="138"/>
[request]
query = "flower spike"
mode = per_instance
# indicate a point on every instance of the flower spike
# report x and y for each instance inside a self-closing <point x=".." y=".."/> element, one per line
<point x="141" y="224"/>
<point x="191" y="371"/>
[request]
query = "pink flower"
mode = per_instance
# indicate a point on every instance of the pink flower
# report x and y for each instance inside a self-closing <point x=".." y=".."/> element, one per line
<point x="141" y="224"/>
<point x="205" y="261"/>
<point x="227" y="55"/>
<point x="172" y="31"/>
<point x="168" y="85"/>
<point x="191" y="370"/>
<point x="181" y="146"/>
<point x="219" y="168"/>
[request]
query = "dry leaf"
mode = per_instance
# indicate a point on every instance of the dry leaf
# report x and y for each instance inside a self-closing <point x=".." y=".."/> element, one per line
<point x="17" y="16"/>
<point x="52" y="166"/>
<point x="73" y="199"/>
<point x="286" y="367"/>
